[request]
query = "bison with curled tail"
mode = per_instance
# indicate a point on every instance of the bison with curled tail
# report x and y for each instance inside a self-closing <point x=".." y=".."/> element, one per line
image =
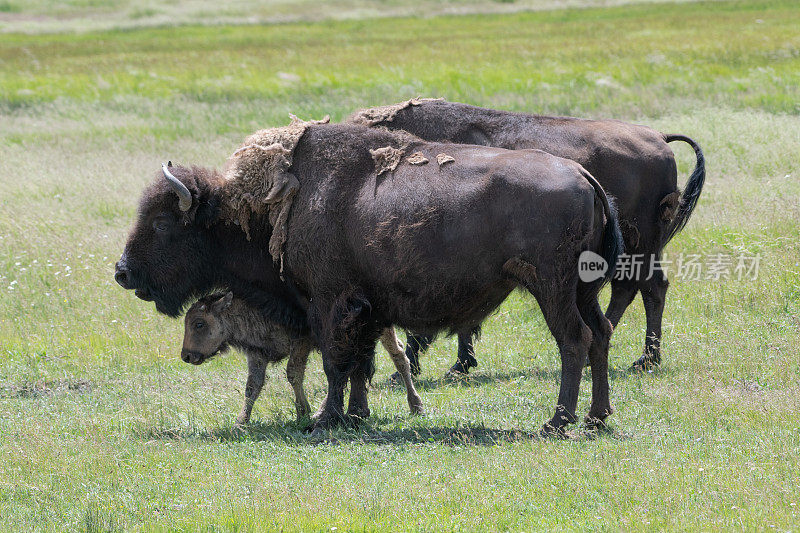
<point x="691" y="192"/>
<point x="633" y="163"/>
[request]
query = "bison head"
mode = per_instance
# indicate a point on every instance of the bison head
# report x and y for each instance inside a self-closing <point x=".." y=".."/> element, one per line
<point x="204" y="333"/>
<point x="168" y="257"/>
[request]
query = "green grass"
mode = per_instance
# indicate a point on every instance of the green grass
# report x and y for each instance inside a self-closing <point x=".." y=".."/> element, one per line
<point x="103" y="427"/>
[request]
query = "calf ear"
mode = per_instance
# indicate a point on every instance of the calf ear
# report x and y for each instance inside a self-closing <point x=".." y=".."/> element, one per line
<point x="223" y="302"/>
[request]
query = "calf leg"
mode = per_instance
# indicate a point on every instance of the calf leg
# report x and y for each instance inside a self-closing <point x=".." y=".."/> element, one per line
<point x="295" y="373"/>
<point x="256" y="370"/>
<point x="414" y="345"/>
<point x="392" y="345"/>
<point x="654" y="293"/>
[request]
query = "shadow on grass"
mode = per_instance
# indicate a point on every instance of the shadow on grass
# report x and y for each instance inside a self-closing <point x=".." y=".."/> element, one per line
<point x="477" y="379"/>
<point x="368" y="432"/>
<point x="43" y="388"/>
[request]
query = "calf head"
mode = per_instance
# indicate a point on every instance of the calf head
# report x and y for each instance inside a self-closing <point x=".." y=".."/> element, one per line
<point x="204" y="333"/>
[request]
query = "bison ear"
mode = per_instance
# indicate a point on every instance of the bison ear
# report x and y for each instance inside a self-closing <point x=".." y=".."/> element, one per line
<point x="208" y="209"/>
<point x="223" y="302"/>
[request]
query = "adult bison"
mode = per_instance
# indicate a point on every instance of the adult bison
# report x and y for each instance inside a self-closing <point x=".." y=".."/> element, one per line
<point x="383" y="229"/>
<point x="633" y="163"/>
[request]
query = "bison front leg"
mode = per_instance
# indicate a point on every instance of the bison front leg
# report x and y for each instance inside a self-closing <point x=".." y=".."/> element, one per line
<point x="256" y="370"/>
<point x="416" y="344"/>
<point x="348" y="337"/>
<point x="358" y="406"/>
<point x="331" y="413"/>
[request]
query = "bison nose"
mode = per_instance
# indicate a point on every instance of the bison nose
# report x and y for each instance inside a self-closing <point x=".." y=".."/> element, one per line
<point x="189" y="356"/>
<point x="122" y="276"/>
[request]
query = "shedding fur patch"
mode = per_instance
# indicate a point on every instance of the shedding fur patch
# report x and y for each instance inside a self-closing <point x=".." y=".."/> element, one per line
<point x="386" y="158"/>
<point x="668" y="206"/>
<point x="417" y="159"/>
<point x="259" y="181"/>
<point x="375" y="115"/>
<point x="444" y="158"/>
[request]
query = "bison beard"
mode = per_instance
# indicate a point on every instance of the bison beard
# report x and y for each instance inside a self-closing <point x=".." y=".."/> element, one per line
<point x="426" y="247"/>
<point x="633" y="163"/>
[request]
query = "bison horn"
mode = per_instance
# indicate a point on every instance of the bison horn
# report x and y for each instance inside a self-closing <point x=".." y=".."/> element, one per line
<point x="184" y="196"/>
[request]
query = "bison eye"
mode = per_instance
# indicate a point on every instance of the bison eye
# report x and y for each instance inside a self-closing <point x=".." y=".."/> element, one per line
<point x="199" y="325"/>
<point x="161" y="224"/>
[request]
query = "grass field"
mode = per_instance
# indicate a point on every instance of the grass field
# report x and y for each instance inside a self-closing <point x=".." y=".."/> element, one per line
<point x="37" y="16"/>
<point x="102" y="427"/>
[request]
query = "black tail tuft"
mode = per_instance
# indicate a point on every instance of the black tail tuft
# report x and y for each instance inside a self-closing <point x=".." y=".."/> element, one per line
<point x="612" y="246"/>
<point x="691" y="194"/>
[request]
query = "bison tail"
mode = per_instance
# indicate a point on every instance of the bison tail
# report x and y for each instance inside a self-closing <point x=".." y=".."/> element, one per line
<point x="691" y="194"/>
<point x="612" y="245"/>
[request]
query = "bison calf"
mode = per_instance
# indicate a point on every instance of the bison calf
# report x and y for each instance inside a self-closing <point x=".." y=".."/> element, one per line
<point x="217" y="322"/>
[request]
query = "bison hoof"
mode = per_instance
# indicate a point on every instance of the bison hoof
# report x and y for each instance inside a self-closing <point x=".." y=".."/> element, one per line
<point x="417" y="409"/>
<point x="326" y="423"/>
<point x="646" y="363"/>
<point x="319" y="434"/>
<point x="461" y="368"/>
<point x="357" y="415"/>
<point x="549" y="431"/>
<point x="593" y="423"/>
<point x="557" y="425"/>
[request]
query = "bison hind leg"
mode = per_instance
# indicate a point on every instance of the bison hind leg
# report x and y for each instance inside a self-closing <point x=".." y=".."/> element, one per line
<point x="557" y="298"/>
<point x="601" y="328"/>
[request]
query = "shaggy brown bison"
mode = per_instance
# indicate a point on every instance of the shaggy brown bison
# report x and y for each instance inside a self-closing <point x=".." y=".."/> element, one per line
<point x="632" y="163"/>
<point x="219" y="321"/>
<point x="383" y="229"/>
